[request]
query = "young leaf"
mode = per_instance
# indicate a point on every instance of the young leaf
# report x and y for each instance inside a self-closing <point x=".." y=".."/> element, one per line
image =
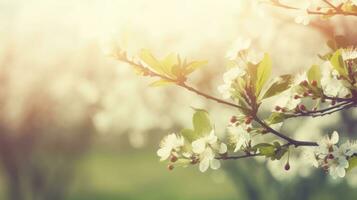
<point x="263" y="73"/>
<point x="189" y="135"/>
<point x="337" y="63"/>
<point x="161" y="82"/>
<point x="149" y="59"/>
<point x="192" y="66"/>
<point x="314" y="73"/>
<point x="168" y="63"/>
<point x="201" y="122"/>
<point x="281" y="84"/>
<point x="277" y="117"/>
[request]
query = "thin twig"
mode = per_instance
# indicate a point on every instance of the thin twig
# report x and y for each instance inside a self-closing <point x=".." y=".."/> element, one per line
<point x="238" y="157"/>
<point x="336" y="11"/>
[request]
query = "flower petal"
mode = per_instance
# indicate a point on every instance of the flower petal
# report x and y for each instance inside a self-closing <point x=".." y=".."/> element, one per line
<point x="215" y="164"/>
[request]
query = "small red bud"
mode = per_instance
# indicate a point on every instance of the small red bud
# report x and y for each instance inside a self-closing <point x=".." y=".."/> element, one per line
<point x="302" y="107"/>
<point x="248" y="120"/>
<point x="333" y="102"/>
<point x="249" y="129"/>
<point x="314" y="83"/>
<point x="170" y="167"/>
<point x="306" y="94"/>
<point x="304" y="83"/>
<point x="194" y="160"/>
<point x="287" y="166"/>
<point x="173" y="158"/>
<point x="296" y="96"/>
<point x="233" y="119"/>
<point x="330" y="156"/>
<point x="277" y="108"/>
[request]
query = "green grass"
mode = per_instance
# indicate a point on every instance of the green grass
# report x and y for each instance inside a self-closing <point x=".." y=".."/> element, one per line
<point x="107" y="175"/>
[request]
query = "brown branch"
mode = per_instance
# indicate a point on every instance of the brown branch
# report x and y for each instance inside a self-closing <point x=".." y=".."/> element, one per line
<point x="296" y="143"/>
<point x="337" y="11"/>
<point x="238" y="157"/>
<point x="331" y="5"/>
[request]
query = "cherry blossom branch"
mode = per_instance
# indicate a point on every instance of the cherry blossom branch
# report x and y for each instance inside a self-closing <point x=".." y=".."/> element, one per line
<point x="346" y="103"/>
<point x="322" y="112"/>
<point x="238" y="157"/>
<point x="291" y="141"/>
<point x="336" y="10"/>
<point x="182" y="84"/>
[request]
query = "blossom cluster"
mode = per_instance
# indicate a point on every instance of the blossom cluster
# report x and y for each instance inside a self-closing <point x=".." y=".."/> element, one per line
<point x="321" y="88"/>
<point x="331" y="157"/>
<point x="202" y="150"/>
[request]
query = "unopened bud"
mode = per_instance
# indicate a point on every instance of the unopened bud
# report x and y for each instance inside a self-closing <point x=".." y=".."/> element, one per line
<point x="170" y="167"/>
<point x="248" y="120"/>
<point x="173" y="158"/>
<point x="233" y="119"/>
<point x="277" y="108"/>
<point x="330" y="156"/>
<point x="314" y="83"/>
<point x="304" y="83"/>
<point x="333" y="102"/>
<point x="302" y="107"/>
<point x="287" y="166"/>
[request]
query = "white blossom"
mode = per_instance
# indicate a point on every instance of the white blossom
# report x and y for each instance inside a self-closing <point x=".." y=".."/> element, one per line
<point x="239" y="135"/>
<point x="327" y="144"/>
<point x="169" y="144"/>
<point x="347" y="149"/>
<point x="207" y="147"/>
<point x="228" y="78"/>
<point x="337" y="167"/>
<point x="330" y="84"/>
<point x="287" y="101"/>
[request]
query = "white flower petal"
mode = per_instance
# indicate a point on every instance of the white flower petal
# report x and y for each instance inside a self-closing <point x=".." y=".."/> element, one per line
<point x="223" y="148"/>
<point x="215" y="164"/>
<point x="204" y="164"/>
<point x="334" y="137"/>
<point x="164" y="153"/>
<point x="198" y="146"/>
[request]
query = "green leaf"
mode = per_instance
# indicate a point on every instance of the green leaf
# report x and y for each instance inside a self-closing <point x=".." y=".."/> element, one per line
<point x="263" y="73"/>
<point x="192" y="66"/>
<point x="189" y="135"/>
<point x="314" y="73"/>
<point x="352" y="163"/>
<point x="337" y="63"/>
<point x="265" y="149"/>
<point x="277" y="117"/>
<point x="281" y="84"/>
<point x="201" y="122"/>
<point x="161" y="82"/>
